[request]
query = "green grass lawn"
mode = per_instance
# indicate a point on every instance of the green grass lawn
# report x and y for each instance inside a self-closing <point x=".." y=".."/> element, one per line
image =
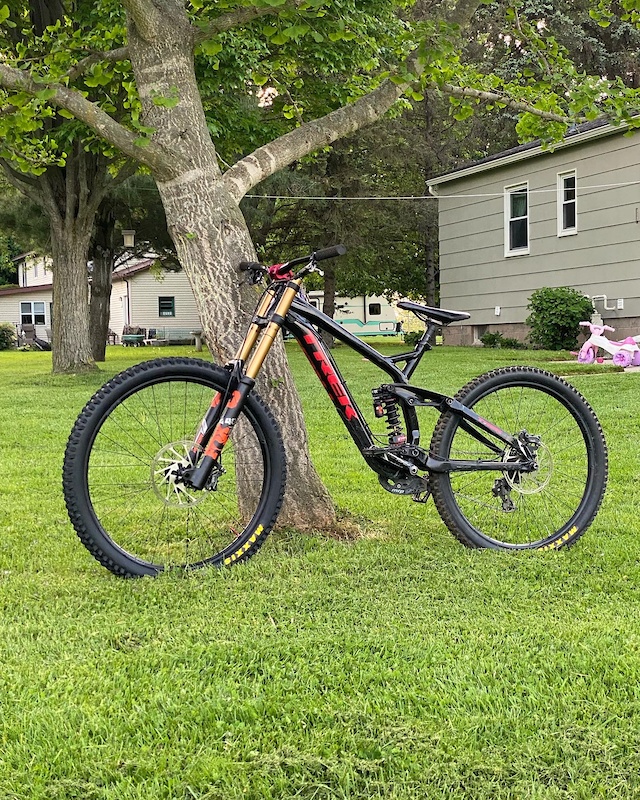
<point x="400" y="665"/>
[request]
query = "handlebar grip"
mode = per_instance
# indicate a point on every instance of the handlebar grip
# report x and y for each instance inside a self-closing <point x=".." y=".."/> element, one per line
<point x="245" y="266"/>
<point x="330" y="252"/>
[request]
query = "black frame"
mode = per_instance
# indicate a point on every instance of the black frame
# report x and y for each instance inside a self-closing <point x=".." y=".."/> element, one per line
<point x="394" y="462"/>
<point x="299" y="322"/>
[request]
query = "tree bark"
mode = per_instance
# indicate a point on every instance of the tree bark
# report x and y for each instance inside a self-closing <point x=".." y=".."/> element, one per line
<point x="103" y="258"/>
<point x="329" y="299"/>
<point x="211" y="237"/>
<point x="70" y="322"/>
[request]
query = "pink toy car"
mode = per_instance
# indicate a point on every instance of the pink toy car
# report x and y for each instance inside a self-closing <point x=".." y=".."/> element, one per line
<point x="625" y="353"/>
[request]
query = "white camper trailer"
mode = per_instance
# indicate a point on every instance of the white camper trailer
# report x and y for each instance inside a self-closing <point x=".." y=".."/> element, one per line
<point x="364" y="315"/>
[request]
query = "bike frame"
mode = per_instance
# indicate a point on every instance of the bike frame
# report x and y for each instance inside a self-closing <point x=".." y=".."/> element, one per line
<point x="284" y="306"/>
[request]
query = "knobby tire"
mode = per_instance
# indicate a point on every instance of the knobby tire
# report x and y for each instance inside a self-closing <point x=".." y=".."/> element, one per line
<point x="554" y="506"/>
<point x="133" y="433"/>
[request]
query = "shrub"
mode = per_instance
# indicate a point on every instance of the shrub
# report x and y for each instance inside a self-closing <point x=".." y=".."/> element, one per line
<point x="411" y="338"/>
<point x="7" y="335"/>
<point x="497" y="339"/>
<point x="555" y="317"/>
<point x="512" y="344"/>
<point x="492" y="339"/>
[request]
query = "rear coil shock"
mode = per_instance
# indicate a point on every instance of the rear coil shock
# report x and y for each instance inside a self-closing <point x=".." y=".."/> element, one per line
<point x="386" y="405"/>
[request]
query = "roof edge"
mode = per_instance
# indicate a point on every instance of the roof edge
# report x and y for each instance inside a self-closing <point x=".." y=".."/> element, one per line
<point x="530" y="151"/>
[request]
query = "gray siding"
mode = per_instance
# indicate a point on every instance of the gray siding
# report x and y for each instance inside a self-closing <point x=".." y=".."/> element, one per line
<point x="602" y="258"/>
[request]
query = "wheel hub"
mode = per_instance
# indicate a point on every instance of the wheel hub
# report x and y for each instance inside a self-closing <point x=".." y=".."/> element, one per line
<point x="167" y="471"/>
<point x="535" y="480"/>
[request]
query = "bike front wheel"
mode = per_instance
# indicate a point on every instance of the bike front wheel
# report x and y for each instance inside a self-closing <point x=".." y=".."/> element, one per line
<point x="548" y="508"/>
<point x="124" y="458"/>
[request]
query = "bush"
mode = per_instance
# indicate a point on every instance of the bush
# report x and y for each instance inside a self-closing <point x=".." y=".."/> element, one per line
<point x="555" y="317"/>
<point x="498" y="340"/>
<point x="7" y="336"/>
<point x="492" y="339"/>
<point x="411" y="338"/>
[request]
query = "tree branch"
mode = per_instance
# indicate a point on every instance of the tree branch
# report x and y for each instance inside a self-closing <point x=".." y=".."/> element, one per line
<point x="146" y="17"/>
<point x="162" y="164"/>
<point x="121" y="54"/>
<point x="463" y="11"/>
<point x="240" y="16"/>
<point x="27" y="184"/>
<point x="310" y="136"/>
<point x="495" y="97"/>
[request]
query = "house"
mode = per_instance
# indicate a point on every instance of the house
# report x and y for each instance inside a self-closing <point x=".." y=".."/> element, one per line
<point x="152" y="298"/>
<point x="31" y="301"/>
<point x="141" y="296"/>
<point x="529" y="218"/>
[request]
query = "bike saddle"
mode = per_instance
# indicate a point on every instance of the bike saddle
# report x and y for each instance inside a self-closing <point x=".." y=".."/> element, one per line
<point x="441" y="315"/>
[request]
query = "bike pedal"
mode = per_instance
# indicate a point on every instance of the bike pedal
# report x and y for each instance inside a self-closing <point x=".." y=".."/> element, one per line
<point x="421" y="497"/>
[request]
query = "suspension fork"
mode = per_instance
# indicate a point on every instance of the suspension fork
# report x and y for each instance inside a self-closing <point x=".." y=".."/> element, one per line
<point x="261" y="334"/>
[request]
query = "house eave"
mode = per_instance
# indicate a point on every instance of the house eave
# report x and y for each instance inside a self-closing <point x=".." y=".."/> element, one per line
<point x="44" y="287"/>
<point x="533" y="152"/>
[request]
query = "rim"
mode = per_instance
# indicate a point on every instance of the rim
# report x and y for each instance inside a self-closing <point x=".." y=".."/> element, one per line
<point x="134" y="488"/>
<point x="529" y="511"/>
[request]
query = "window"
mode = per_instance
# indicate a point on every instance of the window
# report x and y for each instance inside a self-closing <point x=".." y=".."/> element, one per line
<point x="567" y="204"/>
<point x="516" y="218"/>
<point x="32" y="313"/>
<point x="166" y="306"/>
<point x="375" y="309"/>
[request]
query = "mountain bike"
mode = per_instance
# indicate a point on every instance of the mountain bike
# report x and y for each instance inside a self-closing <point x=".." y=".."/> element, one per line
<point x="178" y="463"/>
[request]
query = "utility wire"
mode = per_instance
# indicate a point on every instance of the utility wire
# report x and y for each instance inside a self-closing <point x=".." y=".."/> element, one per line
<point x="579" y="188"/>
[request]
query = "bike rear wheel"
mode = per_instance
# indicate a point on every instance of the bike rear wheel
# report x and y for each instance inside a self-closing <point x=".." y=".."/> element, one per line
<point x="545" y="509"/>
<point x="122" y="466"/>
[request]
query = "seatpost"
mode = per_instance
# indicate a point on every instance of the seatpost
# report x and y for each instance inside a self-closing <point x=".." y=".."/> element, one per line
<point x="424" y="343"/>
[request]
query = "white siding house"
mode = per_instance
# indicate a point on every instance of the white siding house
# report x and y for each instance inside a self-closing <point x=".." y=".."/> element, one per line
<point x="154" y="299"/>
<point x="30" y="302"/>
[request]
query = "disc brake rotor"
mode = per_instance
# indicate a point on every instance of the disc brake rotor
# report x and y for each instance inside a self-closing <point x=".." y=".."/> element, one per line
<point x="535" y="481"/>
<point x="167" y="468"/>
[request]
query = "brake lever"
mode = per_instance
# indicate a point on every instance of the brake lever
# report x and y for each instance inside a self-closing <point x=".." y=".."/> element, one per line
<point x="255" y="272"/>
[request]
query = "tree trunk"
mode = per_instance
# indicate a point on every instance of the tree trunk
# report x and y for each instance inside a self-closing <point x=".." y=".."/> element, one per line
<point x="100" y="303"/>
<point x="329" y="299"/>
<point x="70" y="322"/>
<point x="211" y="237"/>
<point x="103" y="258"/>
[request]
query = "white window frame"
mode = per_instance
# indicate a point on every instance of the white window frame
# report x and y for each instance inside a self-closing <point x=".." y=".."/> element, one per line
<point x="32" y="312"/>
<point x="561" y="202"/>
<point x="508" y="191"/>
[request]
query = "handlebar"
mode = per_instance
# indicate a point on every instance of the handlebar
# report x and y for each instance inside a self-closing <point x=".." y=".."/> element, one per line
<point x="278" y="271"/>
<point x="597" y="329"/>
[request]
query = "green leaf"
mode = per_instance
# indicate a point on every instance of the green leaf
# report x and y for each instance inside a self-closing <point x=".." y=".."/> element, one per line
<point x="45" y="94"/>
<point x="211" y="48"/>
<point x="296" y="31"/>
<point x="4" y="13"/>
